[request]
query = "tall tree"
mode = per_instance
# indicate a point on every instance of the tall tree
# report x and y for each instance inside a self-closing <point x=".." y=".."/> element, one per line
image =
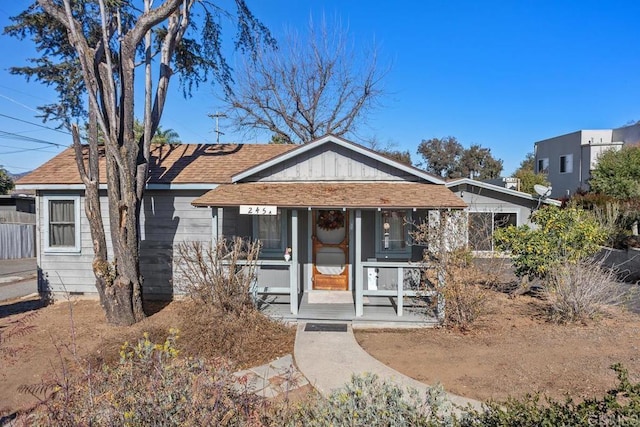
<point x="477" y="162"/>
<point x="527" y="175"/>
<point x="441" y="156"/>
<point x="6" y="183"/>
<point x="306" y="88"/>
<point x="447" y="158"/>
<point x="617" y="173"/>
<point x="90" y="50"/>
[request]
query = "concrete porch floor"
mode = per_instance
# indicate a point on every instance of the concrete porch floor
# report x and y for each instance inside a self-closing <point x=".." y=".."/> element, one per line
<point x="378" y="312"/>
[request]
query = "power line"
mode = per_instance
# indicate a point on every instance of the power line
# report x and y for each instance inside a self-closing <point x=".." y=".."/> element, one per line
<point x="34" y="124"/>
<point x="22" y="150"/>
<point x="11" y="135"/>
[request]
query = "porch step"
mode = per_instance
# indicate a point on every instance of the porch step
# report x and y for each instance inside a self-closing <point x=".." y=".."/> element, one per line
<point x="330" y="297"/>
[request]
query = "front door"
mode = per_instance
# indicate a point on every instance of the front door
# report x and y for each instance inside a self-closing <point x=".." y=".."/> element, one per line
<point x="331" y="250"/>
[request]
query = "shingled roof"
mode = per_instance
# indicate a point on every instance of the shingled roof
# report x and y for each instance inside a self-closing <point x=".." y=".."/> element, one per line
<point x="175" y="164"/>
<point x="333" y="195"/>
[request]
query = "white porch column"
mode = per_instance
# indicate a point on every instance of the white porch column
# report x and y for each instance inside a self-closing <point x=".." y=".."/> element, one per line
<point x="293" y="268"/>
<point x="400" y="289"/>
<point x="357" y="267"/>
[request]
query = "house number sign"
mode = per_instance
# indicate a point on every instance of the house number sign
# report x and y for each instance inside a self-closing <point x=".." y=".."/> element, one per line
<point x="258" y="210"/>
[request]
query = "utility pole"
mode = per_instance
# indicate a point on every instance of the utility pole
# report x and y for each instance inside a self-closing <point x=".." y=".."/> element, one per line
<point x="218" y="132"/>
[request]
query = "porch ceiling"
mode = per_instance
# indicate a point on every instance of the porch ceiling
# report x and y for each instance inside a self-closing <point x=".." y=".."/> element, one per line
<point x="333" y="195"/>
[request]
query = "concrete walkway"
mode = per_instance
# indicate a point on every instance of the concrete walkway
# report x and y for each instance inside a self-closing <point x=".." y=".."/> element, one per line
<point x="329" y="359"/>
<point x="273" y="378"/>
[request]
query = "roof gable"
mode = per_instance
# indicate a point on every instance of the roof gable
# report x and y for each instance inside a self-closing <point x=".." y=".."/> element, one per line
<point x="498" y="189"/>
<point x="379" y="167"/>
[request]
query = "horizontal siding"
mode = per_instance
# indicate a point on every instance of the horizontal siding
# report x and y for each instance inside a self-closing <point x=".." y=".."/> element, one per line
<point x="166" y="220"/>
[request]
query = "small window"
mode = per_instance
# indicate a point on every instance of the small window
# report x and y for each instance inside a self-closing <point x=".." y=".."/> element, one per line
<point x="269" y="229"/>
<point x="62" y="218"/>
<point x="566" y="163"/>
<point x="392" y="233"/>
<point x="543" y="165"/>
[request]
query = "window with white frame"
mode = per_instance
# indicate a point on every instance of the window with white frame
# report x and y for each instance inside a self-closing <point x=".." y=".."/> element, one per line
<point x="482" y="226"/>
<point x="62" y="220"/>
<point x="566" y="163"/>
<point x="392" y="233"/>
<point x="543" y="165"/>
<point x="270" y="230"/>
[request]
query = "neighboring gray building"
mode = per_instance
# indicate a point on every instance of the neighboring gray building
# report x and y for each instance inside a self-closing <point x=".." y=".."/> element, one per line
<point x="569" y="159"/>
<point x="491" y="206"/>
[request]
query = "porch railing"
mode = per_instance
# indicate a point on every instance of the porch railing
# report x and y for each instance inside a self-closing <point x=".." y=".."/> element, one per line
<point x="408" y="282"/>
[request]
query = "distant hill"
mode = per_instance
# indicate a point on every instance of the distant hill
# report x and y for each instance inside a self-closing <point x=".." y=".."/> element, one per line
<point x="17" y="176"/>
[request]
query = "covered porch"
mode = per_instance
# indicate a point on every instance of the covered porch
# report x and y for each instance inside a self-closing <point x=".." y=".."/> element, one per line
<point x="349" y="240"/>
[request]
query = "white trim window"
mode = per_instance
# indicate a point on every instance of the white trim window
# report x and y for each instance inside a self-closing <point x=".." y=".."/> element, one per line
<point x="271" y="231"/>
<point x="392" y="233"/>
<point x="566" y="163"/>
<point x="62" y="222"/>
<point x="543" y="165"/>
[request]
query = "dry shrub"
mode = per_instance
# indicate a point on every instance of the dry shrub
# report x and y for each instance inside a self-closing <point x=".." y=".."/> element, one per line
<point x="151" y="385"/>
<point x="463" y="291"/>
<point x="13" y="329"/>
<point x="221" y="275"/>
<point x="248" y="339"/>
<point x="579" y="291"/>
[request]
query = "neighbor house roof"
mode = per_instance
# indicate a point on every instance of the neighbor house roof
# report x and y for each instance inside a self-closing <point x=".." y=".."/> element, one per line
<point x="335" y="195"/>
<point x="499" y="189"/>
<point x="170" y="164"/>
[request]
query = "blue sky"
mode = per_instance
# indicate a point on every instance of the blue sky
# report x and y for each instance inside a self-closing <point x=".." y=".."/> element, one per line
<point x="502" y="74"/>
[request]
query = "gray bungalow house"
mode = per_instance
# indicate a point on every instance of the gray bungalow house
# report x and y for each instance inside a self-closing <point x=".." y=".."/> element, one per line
<point x="331" y="216"/>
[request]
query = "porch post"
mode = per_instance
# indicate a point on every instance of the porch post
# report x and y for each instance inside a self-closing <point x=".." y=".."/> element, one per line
<point x="400" y="289"/>
<point x="293" y="268"/>
<point x="357" y="268"/>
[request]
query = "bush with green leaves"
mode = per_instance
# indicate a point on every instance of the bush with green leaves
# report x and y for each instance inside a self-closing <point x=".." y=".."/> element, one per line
<point x="560" y="236"/>
<point x="617" y="173"/>
<point x="368" y="401"/>
<point x="618" y="407"/>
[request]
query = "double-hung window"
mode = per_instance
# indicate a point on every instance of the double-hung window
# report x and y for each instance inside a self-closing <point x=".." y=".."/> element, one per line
<point x="392" y="234"/>
<point x="62" y="222"/>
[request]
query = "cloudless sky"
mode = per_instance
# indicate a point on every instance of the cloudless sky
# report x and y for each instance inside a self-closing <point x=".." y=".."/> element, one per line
<point x="502" y="74"/>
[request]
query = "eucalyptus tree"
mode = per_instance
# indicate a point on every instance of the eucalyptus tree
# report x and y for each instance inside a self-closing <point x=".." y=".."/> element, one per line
<point x="91" y="52"/>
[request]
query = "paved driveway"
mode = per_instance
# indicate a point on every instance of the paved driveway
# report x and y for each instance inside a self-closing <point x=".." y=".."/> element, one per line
<point x="17" y="278"/>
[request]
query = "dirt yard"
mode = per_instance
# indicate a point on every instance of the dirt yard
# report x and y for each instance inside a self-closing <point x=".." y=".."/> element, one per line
<point x="514" y="351"/>
<point x="58" y="328"/>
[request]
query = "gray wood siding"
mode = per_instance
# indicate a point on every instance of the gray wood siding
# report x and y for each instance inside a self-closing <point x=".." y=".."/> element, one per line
<point x="167" y="218"/>
<point x="484" y="200"/>
<point x="331" y="162"/>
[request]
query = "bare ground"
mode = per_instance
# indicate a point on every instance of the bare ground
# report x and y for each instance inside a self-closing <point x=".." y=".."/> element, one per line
<point x="514" y="351"/>
<point x="59" y="328"/>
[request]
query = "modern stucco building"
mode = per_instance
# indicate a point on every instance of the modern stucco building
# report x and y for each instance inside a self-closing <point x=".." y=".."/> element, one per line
<point x="569" y="159"/>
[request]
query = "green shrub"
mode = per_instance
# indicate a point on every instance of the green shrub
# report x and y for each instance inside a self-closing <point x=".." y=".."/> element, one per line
<point x="367" y="401"/>
<point x="618" y="407"/>
<point x="561" y="236"/>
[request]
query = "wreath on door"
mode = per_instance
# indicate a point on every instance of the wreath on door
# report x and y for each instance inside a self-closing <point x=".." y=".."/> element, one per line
<point x="330" y="220"/>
